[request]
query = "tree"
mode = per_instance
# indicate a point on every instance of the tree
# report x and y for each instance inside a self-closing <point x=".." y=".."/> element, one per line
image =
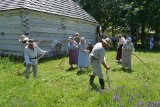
<point x="126" y="15"/>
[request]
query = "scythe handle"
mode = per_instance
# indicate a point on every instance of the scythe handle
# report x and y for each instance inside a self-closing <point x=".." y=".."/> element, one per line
<point x="63" y="59"/>
<point x="141" y="60"/>
<point x="108" y="80"/>
<point x="42" y="55"/>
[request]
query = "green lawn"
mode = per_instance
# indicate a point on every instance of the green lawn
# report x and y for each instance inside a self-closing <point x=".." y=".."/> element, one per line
<point x="62" y="87"/>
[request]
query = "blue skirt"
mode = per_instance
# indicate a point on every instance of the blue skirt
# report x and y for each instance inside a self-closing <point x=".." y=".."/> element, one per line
<point x="83" y="59"/>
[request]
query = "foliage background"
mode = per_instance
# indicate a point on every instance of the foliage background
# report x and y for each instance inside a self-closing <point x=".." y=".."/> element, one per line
<point x="134" y="16"/>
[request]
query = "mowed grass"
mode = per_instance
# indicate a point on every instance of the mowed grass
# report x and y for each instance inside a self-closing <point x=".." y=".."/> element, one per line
<point x="61" y="87"/>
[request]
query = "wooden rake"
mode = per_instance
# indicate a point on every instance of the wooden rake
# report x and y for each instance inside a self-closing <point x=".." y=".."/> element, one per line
<point x="141" y="60"/>
<point x="61" y="61"/>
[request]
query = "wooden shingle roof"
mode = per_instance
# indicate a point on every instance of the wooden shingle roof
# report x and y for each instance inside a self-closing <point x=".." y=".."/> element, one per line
<point x="60" y="7"/>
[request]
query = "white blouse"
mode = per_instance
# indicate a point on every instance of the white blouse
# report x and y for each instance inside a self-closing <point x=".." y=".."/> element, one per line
<point x="31" y="55"/>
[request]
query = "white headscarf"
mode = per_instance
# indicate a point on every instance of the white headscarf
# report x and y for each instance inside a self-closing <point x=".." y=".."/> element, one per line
<point x="122" y="40"/>
<point x="129" y="39"/>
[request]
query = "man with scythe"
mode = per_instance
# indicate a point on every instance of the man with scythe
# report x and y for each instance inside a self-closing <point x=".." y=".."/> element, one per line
<point x="30" y="56"/>
<point x="24" y="40"/>
<point x="97" y="57"/>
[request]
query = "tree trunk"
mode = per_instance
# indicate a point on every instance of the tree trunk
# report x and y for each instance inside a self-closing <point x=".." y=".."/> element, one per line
<point x="142" y="34"/>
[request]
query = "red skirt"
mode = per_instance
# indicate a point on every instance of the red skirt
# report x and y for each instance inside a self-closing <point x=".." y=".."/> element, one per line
<point x="119" y="52"/>
<point x="73" y="57"/>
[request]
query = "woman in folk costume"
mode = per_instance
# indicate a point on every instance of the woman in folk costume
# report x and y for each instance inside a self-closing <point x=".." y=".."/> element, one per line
<point x="119" y="48"/>
<point x="30" y="56"/>
<point x="127" y="50"/>
<point x="83" y="58"/>
<point x="72" y="51"/>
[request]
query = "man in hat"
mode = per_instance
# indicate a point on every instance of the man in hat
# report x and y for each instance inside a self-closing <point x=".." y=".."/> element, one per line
<point x="97" y="57"/>
<point x="77" y="37"/>
<point x="24" y="39"/>
<point x="30" y="56"/>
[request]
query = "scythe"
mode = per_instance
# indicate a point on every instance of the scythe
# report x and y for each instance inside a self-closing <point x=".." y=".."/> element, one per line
<point x="20" y="68"/>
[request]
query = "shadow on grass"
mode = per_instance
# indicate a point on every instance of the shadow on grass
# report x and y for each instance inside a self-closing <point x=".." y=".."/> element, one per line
<point x="81" y="72"/>
<point x="123" y="69"/>
<point x="127" y="70"/>
<point x="94" y="87"/>
<point x="20" y="59"/>
<point x="15" y="59"/>
<point x="71" y="69"/>
<point x="21" y="73"/>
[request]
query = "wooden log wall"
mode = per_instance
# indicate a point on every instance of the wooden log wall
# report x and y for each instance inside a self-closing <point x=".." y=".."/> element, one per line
<point x="40" y="26"/>
<point x="10" y="31"/>
<point x="47" y="27"/>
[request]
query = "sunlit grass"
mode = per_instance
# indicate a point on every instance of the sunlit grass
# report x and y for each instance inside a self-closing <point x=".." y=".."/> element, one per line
<point x="61" y="87"/>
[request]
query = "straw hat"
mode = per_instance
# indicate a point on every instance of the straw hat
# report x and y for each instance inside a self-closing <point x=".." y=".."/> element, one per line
<point x="23" y="38"/>
<point x="107" y="41"/>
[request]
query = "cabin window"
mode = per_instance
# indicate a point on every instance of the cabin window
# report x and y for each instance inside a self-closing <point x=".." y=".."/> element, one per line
<point x="2" y="33"/>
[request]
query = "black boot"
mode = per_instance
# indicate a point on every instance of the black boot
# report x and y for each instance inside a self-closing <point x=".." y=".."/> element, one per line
<point x="101" y="82"/>
<point x="91" y="79"/>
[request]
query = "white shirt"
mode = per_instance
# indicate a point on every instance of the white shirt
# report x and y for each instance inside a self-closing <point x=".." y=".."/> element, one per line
<point x="29" y="54"/>
<point x="122" y="40"/>
<point x="98" y="52"/>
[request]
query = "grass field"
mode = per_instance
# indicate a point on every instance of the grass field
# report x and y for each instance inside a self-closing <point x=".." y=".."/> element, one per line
<point x="61" y="87"/>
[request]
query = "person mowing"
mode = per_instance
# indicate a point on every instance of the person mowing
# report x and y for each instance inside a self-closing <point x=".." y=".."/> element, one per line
<point x="97" y="57"/>
<point x="30" y="55"/>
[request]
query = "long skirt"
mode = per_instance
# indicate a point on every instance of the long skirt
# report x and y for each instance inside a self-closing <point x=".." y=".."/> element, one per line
<point x="73" y="57"/>
<point x="119" y="52"/>
<point x="126" y="58"/>
<point x="83" y="59"/>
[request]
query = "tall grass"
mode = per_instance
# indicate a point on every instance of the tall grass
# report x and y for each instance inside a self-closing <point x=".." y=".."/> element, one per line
<point x="61" y="87"/>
